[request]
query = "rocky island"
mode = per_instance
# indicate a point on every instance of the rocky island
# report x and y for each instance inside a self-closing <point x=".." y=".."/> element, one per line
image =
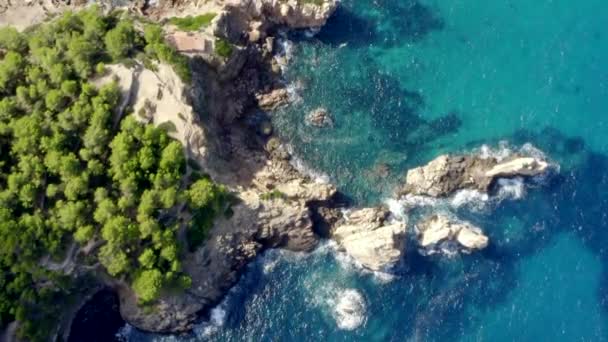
<point x="201" y="81"/>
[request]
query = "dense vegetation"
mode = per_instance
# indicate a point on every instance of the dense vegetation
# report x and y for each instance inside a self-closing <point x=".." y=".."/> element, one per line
<point x="191" y="23"/>
<point x="73" y="174"/>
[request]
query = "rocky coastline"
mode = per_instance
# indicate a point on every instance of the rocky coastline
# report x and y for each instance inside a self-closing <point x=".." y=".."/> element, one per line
<point x="275" y="201"/>
<point x="227" y="132"/>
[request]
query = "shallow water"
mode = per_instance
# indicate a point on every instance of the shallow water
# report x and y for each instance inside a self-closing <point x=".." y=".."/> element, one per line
<point x="408" y="80"/>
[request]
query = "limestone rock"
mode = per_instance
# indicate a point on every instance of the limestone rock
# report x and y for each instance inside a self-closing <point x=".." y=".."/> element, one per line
<point x="370" y="238"/>
<point x="294" y="14"/>
<point x="447" y="174"/>
<point x="437" y="229"/>
<point x="319" y="117"/>
<point x="472" y="238"/>
<point x="273" y="99"/>
<point x="524" y="166"/>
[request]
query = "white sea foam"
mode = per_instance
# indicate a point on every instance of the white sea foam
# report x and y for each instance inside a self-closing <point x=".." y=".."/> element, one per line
<point x="396" y="208"/>
<point x="217" y="319"/>
<point x="472" y="198"/>
<point x="305" y="169"/>
<point x="511" y="188"/>
<point x="503" y="151"/>
<point x="349" y="309"/>
<point x="294" y="89"/>
<point x="284" y="52"/>
<point x="311" y="32"/>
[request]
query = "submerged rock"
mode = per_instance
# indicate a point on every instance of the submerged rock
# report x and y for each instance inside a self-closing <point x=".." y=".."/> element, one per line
<point x="446" y="174"/>
<point x="371" y="238"/>
<point x="350" y="309"/>
<point x="438" y="229"/>
<point x="320" y="118"/>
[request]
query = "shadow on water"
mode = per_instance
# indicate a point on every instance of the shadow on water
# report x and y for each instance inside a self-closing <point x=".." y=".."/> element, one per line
<point x="346" y="26"/>
<point x="98" y="320"/>
<point x="388" y="23"/>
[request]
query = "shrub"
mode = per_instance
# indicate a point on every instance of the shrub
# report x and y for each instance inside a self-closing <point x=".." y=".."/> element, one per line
<point x="191" y="23"/>
<point x="223" y="48"/>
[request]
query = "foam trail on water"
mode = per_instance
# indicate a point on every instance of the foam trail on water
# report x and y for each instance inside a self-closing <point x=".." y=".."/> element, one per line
<point x="305" y="169"/>
<point x="217" y="319"/>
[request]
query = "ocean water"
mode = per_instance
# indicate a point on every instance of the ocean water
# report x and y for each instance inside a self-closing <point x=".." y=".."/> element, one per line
<point x="404" y="82"/>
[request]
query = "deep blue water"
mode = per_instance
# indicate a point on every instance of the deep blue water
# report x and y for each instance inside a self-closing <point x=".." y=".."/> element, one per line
<point x="408" y="80"/>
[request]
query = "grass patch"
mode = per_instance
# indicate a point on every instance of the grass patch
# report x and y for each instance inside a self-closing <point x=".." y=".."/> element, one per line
<point x="191" y="23"/>
<point x="223" y="48"/>
<point x="272" y="195"/>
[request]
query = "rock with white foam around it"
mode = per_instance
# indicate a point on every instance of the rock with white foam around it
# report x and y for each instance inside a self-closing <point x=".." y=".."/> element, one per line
<point x="349" y="310"/>
<point x="437" y="229"/>
<point x="447" y="174"/>
<point x="371" y="238"/>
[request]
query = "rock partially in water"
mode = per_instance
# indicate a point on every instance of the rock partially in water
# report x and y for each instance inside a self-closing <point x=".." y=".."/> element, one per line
<point x="319" y="118"/>
<point x="438" y="229"/>
<point x="371" y="238"/>
<point x="446" y="174"/>
<point x="349" y="310"/>
<point x="273" y="99"/>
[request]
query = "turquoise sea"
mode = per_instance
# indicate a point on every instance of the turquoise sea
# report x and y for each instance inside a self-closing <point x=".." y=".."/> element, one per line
<point x="406" y="81"/>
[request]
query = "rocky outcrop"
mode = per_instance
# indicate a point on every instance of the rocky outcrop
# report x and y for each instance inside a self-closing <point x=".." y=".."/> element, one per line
<point x="252" y="19"/>
<point x="447" y="174"/>
<point x="319" y="118"/>
<point x="273" y="99"/>
<point x="371" y="238"/>
<point x="438" y="230"/>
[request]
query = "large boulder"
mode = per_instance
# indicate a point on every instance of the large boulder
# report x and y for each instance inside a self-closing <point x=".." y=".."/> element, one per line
<point x="438" y="229"/>
<point x="446" y="174"/>
<point x="371" y="238"/>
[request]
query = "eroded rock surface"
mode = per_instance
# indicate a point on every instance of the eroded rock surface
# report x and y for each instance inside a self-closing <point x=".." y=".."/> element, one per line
<point x="371" y="238"/>
<point x="320" y="118"/>
<point x="447" y="174"/>
<point x="438" y="229"/>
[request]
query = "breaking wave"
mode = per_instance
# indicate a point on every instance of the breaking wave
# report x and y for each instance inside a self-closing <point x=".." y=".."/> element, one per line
<point x="305" y="169"/>
<point x="349" y="309"/>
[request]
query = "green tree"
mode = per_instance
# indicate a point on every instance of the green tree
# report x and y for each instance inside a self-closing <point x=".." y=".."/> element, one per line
<point x="147" y="285"/>
<point x="147" y="259"/>
<point x="11" y="71"/>
<point x="114" y="260"/>
<point x="11" y="39"/>
<point x="120" y="41"/>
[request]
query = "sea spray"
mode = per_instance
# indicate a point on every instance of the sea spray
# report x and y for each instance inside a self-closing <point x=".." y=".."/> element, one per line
<point x="349" y="308"/>
<point x="305" y="169"/>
